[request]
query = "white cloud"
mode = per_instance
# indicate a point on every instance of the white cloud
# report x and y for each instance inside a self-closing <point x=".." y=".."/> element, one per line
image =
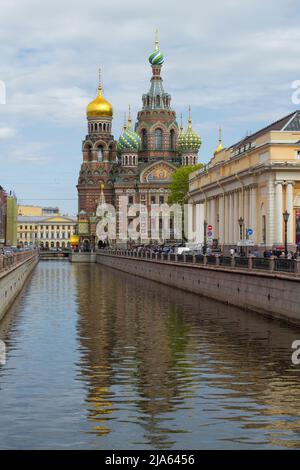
<point x="232" y="61"/>
<point x="7" y="132"/>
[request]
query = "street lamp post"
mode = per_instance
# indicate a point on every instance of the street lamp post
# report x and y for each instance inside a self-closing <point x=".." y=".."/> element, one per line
<point x="241" y="224"/>
<point x="205" y="237"/>
<point x="286" y="216"/>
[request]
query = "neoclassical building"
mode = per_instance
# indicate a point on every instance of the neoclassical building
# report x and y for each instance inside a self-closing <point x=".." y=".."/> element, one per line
<point x="46" y="232"/>
<point x="255" y="181"/>
<point x="138" y="166"/>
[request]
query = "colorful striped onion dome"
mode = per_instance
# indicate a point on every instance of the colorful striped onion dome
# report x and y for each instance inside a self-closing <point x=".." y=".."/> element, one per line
<point x="129" y="140"/>
<point x="156" y="57"/>
<point x="189" y="140"/>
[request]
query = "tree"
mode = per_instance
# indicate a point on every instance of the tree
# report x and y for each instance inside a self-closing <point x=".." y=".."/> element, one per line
<point x="179" y="186"/>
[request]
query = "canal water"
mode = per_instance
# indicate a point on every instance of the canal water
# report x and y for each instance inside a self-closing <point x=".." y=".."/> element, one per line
<point x="100" y="359"/>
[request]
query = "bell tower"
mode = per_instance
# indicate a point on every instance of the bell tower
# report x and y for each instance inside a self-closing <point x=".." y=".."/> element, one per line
<point x="99" y="161"/>
<point x="157" y="125"/>
<point x="99" y="153"/>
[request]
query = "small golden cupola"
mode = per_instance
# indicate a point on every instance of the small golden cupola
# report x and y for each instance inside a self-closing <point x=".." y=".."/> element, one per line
<point x="99" y="107"/>
<point x="220" y="146"/>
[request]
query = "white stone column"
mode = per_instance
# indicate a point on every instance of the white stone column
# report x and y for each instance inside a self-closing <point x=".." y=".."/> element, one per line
<point x="221" y="219"/>
<point x="278" y="213"/>
<point x="207" y="212"/>
<point x="212" y="216"/>
<point x="246" y="210"/>
<point x="253" y="206"/>
<point x="270" y="214"/>
<point x="290" y="209"/>
<point x="235" y="216"/>
<point x="226" y="219"/>
<point x="230" y="219"/>
<point x="199" y="229"/>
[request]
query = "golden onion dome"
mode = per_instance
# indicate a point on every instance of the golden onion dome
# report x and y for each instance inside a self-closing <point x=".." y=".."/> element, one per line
<point x="74" y="239"/>
<point x="99" y="107"/>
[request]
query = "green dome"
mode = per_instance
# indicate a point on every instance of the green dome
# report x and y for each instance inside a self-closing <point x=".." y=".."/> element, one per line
<point x="129" y="140"/>
<point x="156" y="58"/>
<point x="189" y="141"/>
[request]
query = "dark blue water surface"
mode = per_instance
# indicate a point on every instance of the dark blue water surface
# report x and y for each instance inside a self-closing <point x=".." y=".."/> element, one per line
<point x="100" y="359"/>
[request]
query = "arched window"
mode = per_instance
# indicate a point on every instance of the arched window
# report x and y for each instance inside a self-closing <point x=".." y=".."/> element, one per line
<point x="111" y="152"/>
<point x="172" y="139"/>
<point x="158" y="139"/>
<point x="158" y="100"/>
<point x="100" y="153"/>
<point x="89" y="153"/>
<point x="144" y="139"/>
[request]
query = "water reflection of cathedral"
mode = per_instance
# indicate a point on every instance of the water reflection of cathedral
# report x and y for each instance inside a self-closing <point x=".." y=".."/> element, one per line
<point x="149" y="352"/>
<point x="140" y="164"/>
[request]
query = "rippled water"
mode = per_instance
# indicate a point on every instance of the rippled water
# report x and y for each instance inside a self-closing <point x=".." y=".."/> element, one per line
<point x="100" y="359"/>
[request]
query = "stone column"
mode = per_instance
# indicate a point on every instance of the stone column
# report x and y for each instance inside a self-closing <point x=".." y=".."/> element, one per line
<point x="270" y="214"/>
<point x="254" y="215"/>
<point x="240" y="203"/>
<point x="230" y="218"/>
<point x="246" y="210"/>
<point x="290" y="209"/>
<point x="226" y="220"/>
<point x="235" y="217"/>
<point x="221" y="219"/>
<point x="212" y="215"/>
<point x="278" y="213"/>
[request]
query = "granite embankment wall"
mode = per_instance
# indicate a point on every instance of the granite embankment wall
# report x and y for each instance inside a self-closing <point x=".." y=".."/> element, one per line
<point x="14" y="271"/>
<point x="272" y="294"/>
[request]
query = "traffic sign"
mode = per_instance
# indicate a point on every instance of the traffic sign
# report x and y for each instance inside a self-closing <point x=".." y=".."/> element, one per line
<point x="209" y="233"/>
<point x="249" y="231"/>
<point x="209" y="228"/>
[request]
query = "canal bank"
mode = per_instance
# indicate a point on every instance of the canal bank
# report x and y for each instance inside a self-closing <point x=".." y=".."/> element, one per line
<point x="14" y="272"/>
<point x="275" y="295"/>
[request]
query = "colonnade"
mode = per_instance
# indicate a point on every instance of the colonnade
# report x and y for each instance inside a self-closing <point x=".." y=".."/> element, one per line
<point x="263" y="215"/>
<point x="224" y="210"/>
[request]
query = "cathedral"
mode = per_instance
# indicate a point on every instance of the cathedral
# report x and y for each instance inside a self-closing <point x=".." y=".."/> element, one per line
<point x="139" y="165"/>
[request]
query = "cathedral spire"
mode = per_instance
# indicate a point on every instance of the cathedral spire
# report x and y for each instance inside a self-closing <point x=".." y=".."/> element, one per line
<point x="156" y="47"/>
<point x="129" y="121"/>
<point x="100" y="80"/>
<point x="181" y="124"/>
<point x="156" y="98"/>
<point x="220" y="146"/>
<point x="190" y="118"/>
<point x="125" y="122"/>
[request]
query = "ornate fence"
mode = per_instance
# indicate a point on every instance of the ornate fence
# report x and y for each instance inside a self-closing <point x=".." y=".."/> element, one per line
<point x="280" y="265"/>
<point x="8" y="260"/>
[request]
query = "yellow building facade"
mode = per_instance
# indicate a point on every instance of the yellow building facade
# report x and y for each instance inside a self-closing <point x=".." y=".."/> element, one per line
<point x="254" y="181"/>
<point x="46" y="232"/>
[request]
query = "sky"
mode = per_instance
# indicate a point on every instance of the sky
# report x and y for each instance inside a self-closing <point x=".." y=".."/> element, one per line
<point x="233" y="61"/>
